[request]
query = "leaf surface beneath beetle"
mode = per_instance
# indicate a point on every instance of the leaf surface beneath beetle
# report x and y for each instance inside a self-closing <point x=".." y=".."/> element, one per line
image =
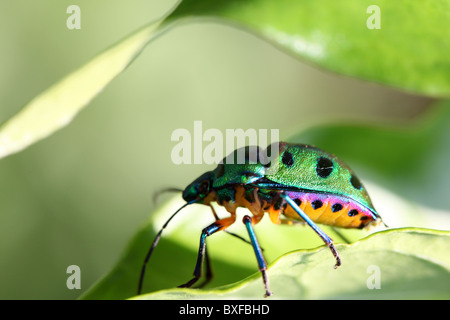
<point x="393" y="264"/>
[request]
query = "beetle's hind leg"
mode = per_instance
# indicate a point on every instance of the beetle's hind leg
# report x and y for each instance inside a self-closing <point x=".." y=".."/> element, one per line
<point x="259" y="256"/>
<point x="328" y="241"/>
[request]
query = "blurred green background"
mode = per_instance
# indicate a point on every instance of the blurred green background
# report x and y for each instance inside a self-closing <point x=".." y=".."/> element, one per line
<point x="78" y="196"/>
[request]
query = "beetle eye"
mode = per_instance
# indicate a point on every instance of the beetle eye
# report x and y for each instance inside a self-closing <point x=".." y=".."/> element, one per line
<point x="203" y="187"/>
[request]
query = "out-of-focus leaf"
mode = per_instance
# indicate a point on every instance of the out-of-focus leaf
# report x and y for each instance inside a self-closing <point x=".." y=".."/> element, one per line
<point x="409" y="51"/>
<point x="55" y="107"/>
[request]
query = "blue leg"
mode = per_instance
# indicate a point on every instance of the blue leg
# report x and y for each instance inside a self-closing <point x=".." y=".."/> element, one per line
<point x="259" y="257"/>
<point x="328" y="241"/>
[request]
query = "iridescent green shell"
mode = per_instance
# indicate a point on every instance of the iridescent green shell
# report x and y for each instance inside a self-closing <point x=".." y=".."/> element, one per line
<point x="309" y="168"/>
<point x="242" y="166"/>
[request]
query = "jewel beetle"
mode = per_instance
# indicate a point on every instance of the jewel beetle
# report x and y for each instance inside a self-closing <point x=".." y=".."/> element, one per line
<point x="300" y="183"/>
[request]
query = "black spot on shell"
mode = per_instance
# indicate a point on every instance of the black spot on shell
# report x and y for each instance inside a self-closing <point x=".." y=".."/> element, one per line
<point x="287" y="159"/>
<point x="355" y="182"/>
<point x="316" y="204"/>
<point x="298" y="202"/>
<point x="324" y="167"/>
<point x="336" y="207"/>
<point x="364" y="218"/>
<point x="352" y="213"/>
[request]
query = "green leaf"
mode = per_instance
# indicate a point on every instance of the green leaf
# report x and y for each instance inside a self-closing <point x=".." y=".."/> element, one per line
<point x="58" y="105"/>
<point x="411" y="263"/>
<point x="394" y="264"/>
<point x="409" y="51"/>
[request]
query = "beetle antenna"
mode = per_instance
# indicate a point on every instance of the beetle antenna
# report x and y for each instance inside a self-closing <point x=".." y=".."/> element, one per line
<point x="155" y="242"/>
<point x="158" y="193"/>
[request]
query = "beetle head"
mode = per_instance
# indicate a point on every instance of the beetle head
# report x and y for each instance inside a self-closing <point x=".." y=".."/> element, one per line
<point x="199" y="188"/>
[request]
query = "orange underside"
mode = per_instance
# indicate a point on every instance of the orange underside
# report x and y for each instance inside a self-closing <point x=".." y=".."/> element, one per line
<point x="322" y="215"/>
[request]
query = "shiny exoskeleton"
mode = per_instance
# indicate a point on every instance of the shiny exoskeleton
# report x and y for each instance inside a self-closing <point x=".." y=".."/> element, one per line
<point x="300" y="184"/>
